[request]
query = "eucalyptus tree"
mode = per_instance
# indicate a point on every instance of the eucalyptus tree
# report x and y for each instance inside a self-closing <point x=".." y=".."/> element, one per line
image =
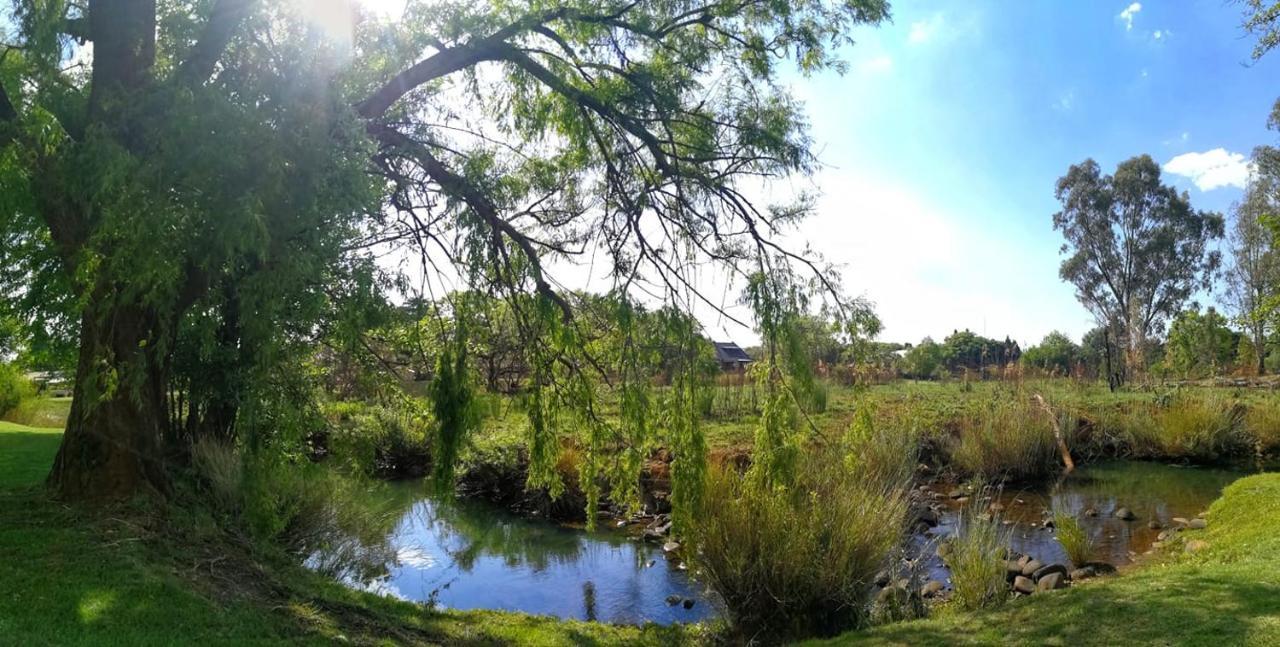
<point x="1137" y="250"/>
<point x="201" y="193"/>
<point x="1253" y="280"/>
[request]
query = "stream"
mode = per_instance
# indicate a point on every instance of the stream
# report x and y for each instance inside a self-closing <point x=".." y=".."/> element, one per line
<point x="461" y="554"/>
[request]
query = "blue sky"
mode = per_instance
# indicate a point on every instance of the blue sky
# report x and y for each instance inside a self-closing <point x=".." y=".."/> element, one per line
<point x="944" y="139"/>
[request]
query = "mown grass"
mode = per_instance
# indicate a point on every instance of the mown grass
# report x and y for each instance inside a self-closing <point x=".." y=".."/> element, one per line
<point x="1227" y="594"/>
<point x="135" y="575"/>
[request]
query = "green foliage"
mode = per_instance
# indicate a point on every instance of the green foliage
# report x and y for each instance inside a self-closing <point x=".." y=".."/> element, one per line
<point x="1200" y="345"/>
<point x="456" y="415"/>
<point x="15" y="388"/>
<point x="390" y="440"/>
<point x="965" y="350"/>
<point x="1130" y="237"/>
<point x="977" y="562"/>
<point x="924" y="360"/>
<point x="798" y="560"/>
<point x="1207" y="428"/>
<point x="1056" y="354"/>
<point x="1075" y="540"/>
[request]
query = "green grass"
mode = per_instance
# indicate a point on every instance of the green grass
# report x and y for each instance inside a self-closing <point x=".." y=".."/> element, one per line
<point x="1227" y="594"/>
<point x="136" y="576"/>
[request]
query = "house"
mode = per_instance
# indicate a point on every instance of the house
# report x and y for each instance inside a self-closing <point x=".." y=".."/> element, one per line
<point x="731" y="357"/>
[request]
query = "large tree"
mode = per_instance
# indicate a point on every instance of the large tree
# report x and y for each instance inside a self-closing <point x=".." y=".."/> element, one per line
<point x="199" y="192"/>
<point x="1253" y="280"/>
<point x="1137" y="250"/>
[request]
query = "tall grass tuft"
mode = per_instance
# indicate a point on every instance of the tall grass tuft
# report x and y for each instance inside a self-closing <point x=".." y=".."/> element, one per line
<point x="1194" y="427"/>
<point x="1008" y="437"/>
<point x="797" y="561"/>
<point x="976" y="561"/>
<point x="1077" y="543"/>
<point x="220" y="467"/>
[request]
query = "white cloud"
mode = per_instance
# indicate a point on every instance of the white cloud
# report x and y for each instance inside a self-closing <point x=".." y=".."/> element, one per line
<point x="924" y="31"/>
<point x="1212" y="169"/>
<point x="1157" y="34"/>
<point x="1127" y="15"/>
<point x="877" y="64"/>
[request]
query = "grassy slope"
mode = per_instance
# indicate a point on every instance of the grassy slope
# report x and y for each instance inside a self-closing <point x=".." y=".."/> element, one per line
<point x="68" y="577"/>
<point x="1228" y="594"/>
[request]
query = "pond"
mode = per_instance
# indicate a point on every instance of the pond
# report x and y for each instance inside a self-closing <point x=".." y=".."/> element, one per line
<point x="470" y="555"/>
<point x="1155" y="493"/>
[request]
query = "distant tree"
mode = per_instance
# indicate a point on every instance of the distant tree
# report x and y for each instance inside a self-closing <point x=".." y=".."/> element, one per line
<point x="1055" y="353"/>
<point x="1136" y="248"/>
<point x="1200" y="345"/>
<point x="1253" y="280"/>
<point x="963" y="349"/>
<point x="924" y="360"/>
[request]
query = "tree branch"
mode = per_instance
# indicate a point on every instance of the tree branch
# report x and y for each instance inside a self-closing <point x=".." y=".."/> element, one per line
<point x="226" y="17"/>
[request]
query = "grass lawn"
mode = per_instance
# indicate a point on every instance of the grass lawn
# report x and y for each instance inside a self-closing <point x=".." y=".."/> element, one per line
<point x="1227" y="594"/>
<point x="125" y="576"/>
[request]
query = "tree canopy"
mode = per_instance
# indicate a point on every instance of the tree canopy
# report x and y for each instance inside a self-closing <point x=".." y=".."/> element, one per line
<point x="1136" y="249"/>
<point x="204" y="194"/>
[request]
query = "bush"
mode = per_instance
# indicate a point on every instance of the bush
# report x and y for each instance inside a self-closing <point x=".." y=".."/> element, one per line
<point x="1075" y="541"/>
<point x="15" y="388"/>
<point x="976" y="561"/>
<point x="380" y="440"/>
<point x="797" y="561"/>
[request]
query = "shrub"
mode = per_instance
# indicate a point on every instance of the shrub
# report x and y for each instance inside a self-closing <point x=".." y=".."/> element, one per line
<point x="380" y="440"/>
<point x="1077" y="543"/>
<point x="219" y="466"/>
<point x="1263" y="424"/>
<point x="15" y="388"/>
<point x="799" y="560"/>
<point x="976" y="561"/>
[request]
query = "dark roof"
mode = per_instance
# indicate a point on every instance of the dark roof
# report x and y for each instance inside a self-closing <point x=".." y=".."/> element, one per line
<point x="727" y="351"/>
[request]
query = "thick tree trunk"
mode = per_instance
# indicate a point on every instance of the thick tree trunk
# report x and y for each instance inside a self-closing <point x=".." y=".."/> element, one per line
<point x="112" y="446"/>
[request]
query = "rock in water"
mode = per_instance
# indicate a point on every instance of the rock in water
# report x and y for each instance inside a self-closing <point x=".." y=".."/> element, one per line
<point x="1024" y="585"/>
<point x="688" y="603"/>
<point x="1125" y="514"/>
<point x="1154" y="525"/>
<point x="1051" y="581"/>
<point x="671" y="547"/>
<point x="673" y="600"/>
<point x="1031" y="567"/>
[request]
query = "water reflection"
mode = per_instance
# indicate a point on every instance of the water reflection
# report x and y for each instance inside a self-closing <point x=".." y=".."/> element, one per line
<point x="467" y="555"/>
<point x="1155" y="493"/>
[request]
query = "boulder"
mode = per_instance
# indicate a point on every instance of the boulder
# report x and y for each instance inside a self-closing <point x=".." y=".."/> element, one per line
<point x="688" y="603"/>
<point x="1045" y="571"/>
<point x="671" y="547"/>
<point x="1031" y="567"/>
<point x="1125" y="514"/>
<point x="673" y="600"/>
<point x="1012" y="569"/>
<point x="1052" y="581"/>
<point x="1082" y="573"/>
<point x="895" y="596"/>
<point x="932" y="588"/>
<point x="1182" y="521"/>
<point x="1024" y="585"/>
<point x="1166" y="535"/>
<point x="1196" y="545"/>
<point x="1198" y="524"/>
